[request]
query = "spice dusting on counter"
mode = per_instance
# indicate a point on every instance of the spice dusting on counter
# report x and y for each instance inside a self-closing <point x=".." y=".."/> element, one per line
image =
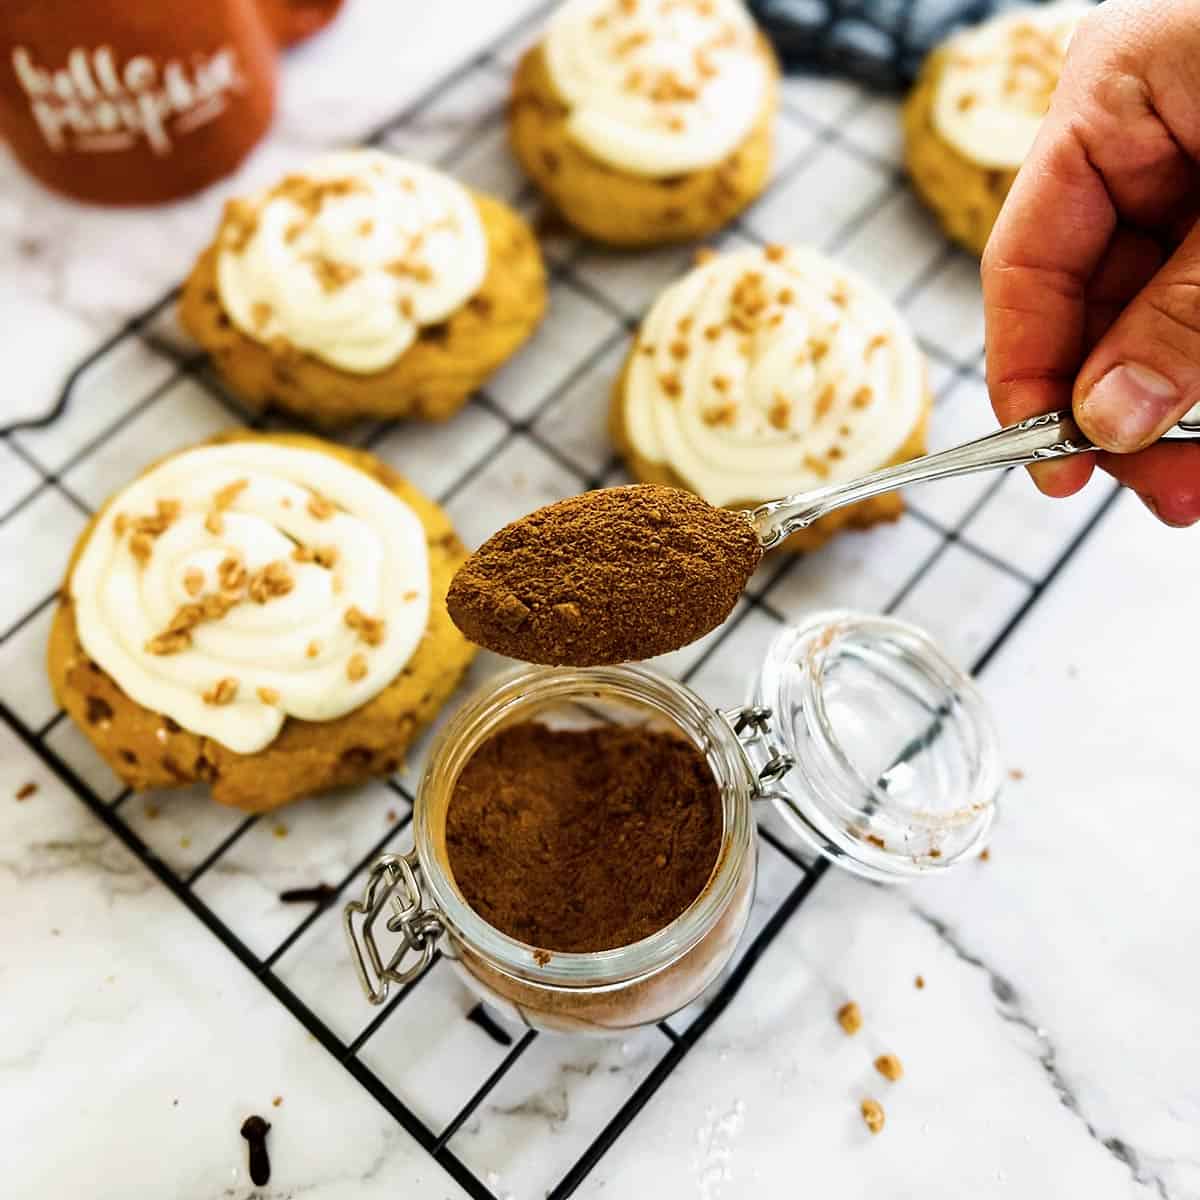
<point x="616" y="575"/>
<point x="578" y="840"/>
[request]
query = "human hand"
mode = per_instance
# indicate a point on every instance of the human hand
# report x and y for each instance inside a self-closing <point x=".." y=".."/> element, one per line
<point x="1091" y="279"/>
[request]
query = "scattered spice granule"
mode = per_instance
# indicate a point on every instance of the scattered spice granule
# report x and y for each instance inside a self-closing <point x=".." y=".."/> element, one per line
<point x="935" y="853"/>
<point x="919" y="982"/>
<point x="850" y="1017"/>
<point x="185" y="842"/>
<point x="391" y="816"/>
<point x="1016" y="774"/>
<point x="280" y="831"/>
<point x="872" y="1114"/>
<point x="26" y="790"/>
<point x="356" y="668"/>
<point x="774" y="252"/>
<point x="888" y="1065"/>
<point x="277" y="1101"/>
<point x="152" y="811"/>
<point x="876" y="840"/>
<point x="541" y="957"/>
<point x="985" y="855"/>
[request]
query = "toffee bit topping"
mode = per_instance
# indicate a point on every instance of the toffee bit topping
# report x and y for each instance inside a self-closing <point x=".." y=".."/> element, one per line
<point x="712" y="332"/>
<point x="311" y="194"/>
<point x="825" y="400"/>
<point x="260" y="313"/>
<point x="966" y="101"/>
<point x="366" y="227"/>
<point x="141" y="546"/>
<point x="781" y="411"/>
<point x="888" y="1065"/>
<point x="862" y="398"/>
<point x="631" y="42"/>
<point x="840" y="294"/>
<point x="405" y="305"/>
<point x="817" y="466"/>
<point x="356" y="668"/>
<point x="303" y="554"/>
<point x="850" y="1017"/>
<point x="231" y="574"/>
<point x="703" y="254"/>
<point x="785" y="296"/>
<point x="268" y="695"/>
<point x="224" y="498"/>
<point x="646" y="348"/>
<point x="332" y="274"/>
<point x="722" y="414"/>
<point x="313" y="649"/>
<point x="409" y="597"/>
<point x="671" y="385"/>
<point x="679" y="350"/>
<point x="721" y="383"/>
<point x="326" y="556"/>
<point x="684" y="324"/>
<point x="169" y="643"/>
<point x="120" y="524"/>
<point x="872" y="1114"/>
<point x="676" y="124"/>
<point x="877" y="342"/>
<point x="403" y="268"/>
<point x="774" y="252"/>
<point x="320" y="507"/>
<point x="214" y="523"/>
<point x="293" y="231"/>
<point x="270" y="582"/>
<point x="370" y="629"/>
<point x="818" y="348"/>
<point x="223" y="691"/>
<point x="193" y="581"/>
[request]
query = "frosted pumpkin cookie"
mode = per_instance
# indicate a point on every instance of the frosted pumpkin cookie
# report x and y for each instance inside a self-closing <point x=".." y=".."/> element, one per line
<point x="368" y="285"/>
<point x="646" y="121"/>
<point x="265" y="613"/>
<point x="766" y="372"/>
<point x="975" y="109"/>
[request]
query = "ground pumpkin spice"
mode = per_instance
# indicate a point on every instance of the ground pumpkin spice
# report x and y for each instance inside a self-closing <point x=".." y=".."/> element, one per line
<point x="615" y="575"/>
<point x="578" y="840"/>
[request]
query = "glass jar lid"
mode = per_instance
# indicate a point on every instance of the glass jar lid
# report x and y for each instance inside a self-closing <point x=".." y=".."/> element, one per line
<point x="897" y="765"/>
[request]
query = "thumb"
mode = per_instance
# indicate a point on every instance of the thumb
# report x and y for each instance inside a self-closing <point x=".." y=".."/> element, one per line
<point x="1144" y="374"/>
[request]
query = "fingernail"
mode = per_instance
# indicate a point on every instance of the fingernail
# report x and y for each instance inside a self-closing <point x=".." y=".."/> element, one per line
<point x="1125" y="408"/>
<point x="1054" y="478"/>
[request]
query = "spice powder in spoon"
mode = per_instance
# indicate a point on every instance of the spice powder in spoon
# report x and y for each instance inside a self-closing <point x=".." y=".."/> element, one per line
<point x="615" y="575"/>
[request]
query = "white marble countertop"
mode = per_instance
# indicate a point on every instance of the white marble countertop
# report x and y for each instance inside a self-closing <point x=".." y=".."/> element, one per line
<point x="1053" y="1051"/>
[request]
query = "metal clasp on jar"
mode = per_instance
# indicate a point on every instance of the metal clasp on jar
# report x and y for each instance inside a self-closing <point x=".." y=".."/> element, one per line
<point x="752" y="727"/>
<point x="393" y="879"/>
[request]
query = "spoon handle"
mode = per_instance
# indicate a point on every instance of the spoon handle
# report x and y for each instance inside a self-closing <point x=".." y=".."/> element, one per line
<point x="1036" y="439"/>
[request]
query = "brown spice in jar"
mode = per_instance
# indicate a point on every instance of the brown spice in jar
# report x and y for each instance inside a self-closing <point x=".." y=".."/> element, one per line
<point x="615" y="575"/>
<point x="579" y="840"/>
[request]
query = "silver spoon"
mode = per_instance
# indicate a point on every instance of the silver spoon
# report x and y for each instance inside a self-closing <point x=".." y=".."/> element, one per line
<point x="1036" y="439"/>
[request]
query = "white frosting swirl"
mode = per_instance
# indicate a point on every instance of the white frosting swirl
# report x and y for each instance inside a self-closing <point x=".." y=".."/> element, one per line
<point x="997" y="82"/>
<point x="766" y="372"/>
<point x="301" y="639"/>
<point x="350" y="258"/>
<point x="657" y="87"/>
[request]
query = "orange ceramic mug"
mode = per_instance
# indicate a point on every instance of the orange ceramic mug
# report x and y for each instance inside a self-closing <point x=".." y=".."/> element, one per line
<point x="129" y="102"/>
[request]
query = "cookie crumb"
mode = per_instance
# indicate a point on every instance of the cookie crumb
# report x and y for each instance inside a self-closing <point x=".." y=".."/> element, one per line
<point x="850" y="1017"/>
<point x="1016" y="774"/>
<point x="872" y="1114"/>
<point x="276" y="1101"/>
<point x="888" y="1065"/>
<point x="26" y="790"/>
<point x="919" y="982"/>
<point x="985" y="855"/>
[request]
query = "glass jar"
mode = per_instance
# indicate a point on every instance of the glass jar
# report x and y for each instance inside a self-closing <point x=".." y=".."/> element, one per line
<point x="873" y="747"/>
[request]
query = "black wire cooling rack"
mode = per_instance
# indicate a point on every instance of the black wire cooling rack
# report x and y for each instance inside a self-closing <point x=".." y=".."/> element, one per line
<point x="968" y="561"/>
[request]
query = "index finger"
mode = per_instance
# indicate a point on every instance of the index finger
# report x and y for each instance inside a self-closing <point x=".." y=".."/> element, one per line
<point x="1051" y="235"/>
